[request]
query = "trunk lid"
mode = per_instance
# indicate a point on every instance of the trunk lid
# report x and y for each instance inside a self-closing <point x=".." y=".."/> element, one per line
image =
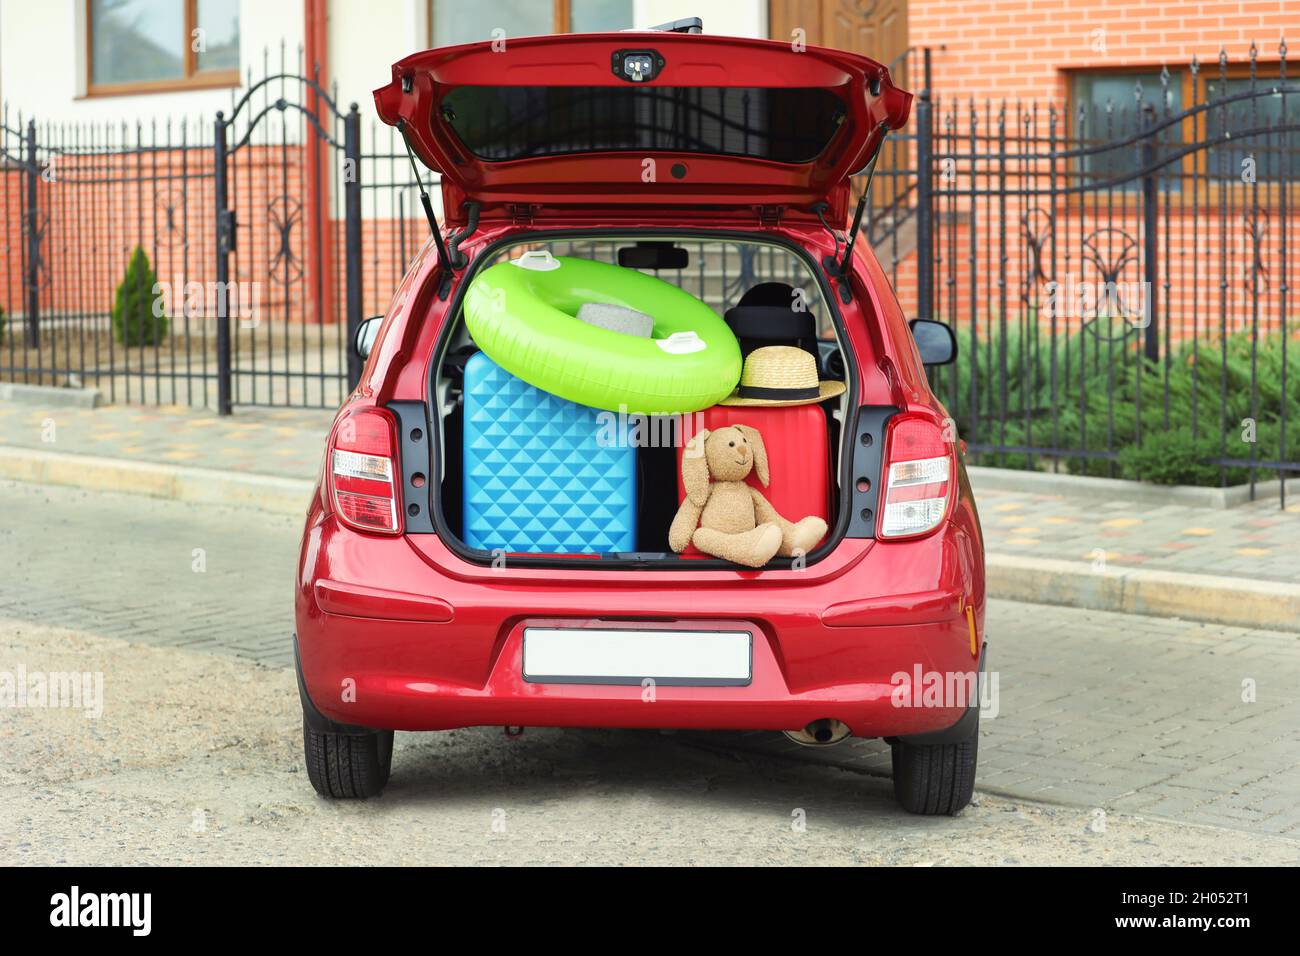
<point x="623" y="121"/>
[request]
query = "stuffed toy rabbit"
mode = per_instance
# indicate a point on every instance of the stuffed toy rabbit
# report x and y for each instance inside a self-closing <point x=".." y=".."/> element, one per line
<point x="727" y="517"/>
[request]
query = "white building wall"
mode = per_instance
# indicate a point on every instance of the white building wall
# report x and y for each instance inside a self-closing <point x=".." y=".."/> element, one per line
<point x="365" y="40"/>
<point x="740" y="18"/>
<point x="366" y="37"/>
<point x="43" y="62"/>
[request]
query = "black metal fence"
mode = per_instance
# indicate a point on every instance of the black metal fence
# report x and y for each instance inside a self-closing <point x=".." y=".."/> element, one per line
<point x="78" y="200"/>
<point x="289" y="156"/>
<point x="1117" y="271"/>
<point x="252" y="223"/>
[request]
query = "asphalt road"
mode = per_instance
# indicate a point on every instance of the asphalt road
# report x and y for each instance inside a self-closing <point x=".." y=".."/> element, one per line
<point x="196" y="759"/>
<point x="1118" y="739"/>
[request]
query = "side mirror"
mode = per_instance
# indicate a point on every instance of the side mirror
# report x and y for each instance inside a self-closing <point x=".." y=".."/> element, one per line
<point x="365" y="338"/>
<point x="934" y="341"/>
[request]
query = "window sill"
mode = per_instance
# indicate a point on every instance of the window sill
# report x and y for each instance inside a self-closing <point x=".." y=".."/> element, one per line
<point x="226" y="79"/>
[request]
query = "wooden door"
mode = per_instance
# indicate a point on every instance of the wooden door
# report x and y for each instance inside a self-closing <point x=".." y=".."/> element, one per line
<point x="874" y="28"/>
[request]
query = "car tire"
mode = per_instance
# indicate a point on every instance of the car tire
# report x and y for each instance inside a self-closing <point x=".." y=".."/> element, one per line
<point x="935" y="779"/>
<point x="348" y="766"/>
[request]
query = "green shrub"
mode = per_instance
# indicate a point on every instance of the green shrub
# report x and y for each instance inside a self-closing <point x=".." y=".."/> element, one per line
<point x="1107" y="397"/>
<point x="1176" y="457"/>
<point x="134" y="322"/>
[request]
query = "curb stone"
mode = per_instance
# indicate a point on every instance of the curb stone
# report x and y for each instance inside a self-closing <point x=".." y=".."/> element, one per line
<point x="1215" y="599"/>
<point x="49" y="396"/>
<point x="207" y="486"/>
<point x="1121" y="489"/>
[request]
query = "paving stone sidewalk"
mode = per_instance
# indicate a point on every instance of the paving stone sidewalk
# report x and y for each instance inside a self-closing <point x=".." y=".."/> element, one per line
<point x="285" y="442"/>
<point x="1258" y="540"/>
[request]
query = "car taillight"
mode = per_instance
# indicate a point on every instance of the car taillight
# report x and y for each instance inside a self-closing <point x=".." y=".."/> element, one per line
<point x="918" y="478"/>
<point x="362" y="471"/>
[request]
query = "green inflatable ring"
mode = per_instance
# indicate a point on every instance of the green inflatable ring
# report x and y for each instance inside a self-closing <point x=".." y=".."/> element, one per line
<point x="522" y="314"/>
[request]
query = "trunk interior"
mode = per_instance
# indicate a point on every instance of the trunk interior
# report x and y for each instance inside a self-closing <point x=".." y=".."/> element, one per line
<point x="720" y="273"/>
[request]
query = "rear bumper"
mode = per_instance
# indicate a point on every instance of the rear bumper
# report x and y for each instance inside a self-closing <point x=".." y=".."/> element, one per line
<point x="389" y="658"/>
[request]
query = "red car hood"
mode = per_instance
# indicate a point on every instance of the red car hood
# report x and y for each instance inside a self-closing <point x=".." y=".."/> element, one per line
<point x="562" y="121"/>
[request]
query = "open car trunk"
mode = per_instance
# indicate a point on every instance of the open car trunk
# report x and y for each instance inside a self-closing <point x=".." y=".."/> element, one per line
<point x="621" y="121"/>
<point x="720" y="272"/>
<point x="606" y="127"/>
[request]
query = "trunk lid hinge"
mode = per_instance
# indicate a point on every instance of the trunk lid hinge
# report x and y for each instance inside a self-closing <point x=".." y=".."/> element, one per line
<point x="521" y="214"/>
<point x="769" y="217"/>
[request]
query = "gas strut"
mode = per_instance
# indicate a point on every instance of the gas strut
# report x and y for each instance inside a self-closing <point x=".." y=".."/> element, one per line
<point x="840" y="270"/>
<point x="444" y="260"/>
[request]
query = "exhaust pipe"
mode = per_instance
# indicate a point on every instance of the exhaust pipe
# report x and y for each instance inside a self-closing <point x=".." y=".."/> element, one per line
<point x="820" y="733"/>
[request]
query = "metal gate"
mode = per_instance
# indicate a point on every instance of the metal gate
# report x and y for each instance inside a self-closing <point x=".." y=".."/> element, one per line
<point x="196" y="261"/>
<point x="287" y="213"/>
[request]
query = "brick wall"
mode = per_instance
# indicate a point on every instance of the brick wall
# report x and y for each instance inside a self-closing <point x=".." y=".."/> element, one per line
<point x="1025" y="52"/>
<point x="1024" y="48"/>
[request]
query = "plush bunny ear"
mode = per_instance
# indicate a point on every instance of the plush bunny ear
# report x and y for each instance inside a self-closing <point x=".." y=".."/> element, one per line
<point x="695" y="469"/>
<point x="760" y="451"/>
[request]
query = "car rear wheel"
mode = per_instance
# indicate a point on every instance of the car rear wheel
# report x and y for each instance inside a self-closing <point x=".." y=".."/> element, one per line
<point x="346" y="766"/>
<point x="935" y="778"/>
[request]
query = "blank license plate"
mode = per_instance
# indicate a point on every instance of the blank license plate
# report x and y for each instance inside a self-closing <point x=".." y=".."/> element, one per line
<point x="558" y="655"/>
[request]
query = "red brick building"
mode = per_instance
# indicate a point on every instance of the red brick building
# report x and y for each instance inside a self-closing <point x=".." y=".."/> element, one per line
<point x="1031" y="77"/>
<point x="1037" y="49"/>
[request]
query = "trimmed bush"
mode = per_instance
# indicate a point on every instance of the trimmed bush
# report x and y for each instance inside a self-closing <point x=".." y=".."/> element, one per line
<point x="134" y="322"/>
<point x="1177" y="457"/>
<point x="1110" y="398"/>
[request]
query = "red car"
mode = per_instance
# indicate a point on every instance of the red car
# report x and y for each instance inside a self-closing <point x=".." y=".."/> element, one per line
<point x="720" y="164"/>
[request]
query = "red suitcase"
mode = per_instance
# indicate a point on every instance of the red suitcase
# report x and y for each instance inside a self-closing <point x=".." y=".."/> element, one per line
<point x="798" y="455"/>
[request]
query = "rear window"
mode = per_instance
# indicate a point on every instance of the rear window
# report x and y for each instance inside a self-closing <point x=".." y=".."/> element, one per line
<point x="718" y="272"/>
<point x="498" y="123"/>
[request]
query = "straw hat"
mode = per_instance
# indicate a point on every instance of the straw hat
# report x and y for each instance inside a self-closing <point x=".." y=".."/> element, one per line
<point x="781" y="375"/>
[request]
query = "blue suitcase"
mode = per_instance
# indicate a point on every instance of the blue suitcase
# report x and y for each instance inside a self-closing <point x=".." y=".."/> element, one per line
<point x="542" y="474"/>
